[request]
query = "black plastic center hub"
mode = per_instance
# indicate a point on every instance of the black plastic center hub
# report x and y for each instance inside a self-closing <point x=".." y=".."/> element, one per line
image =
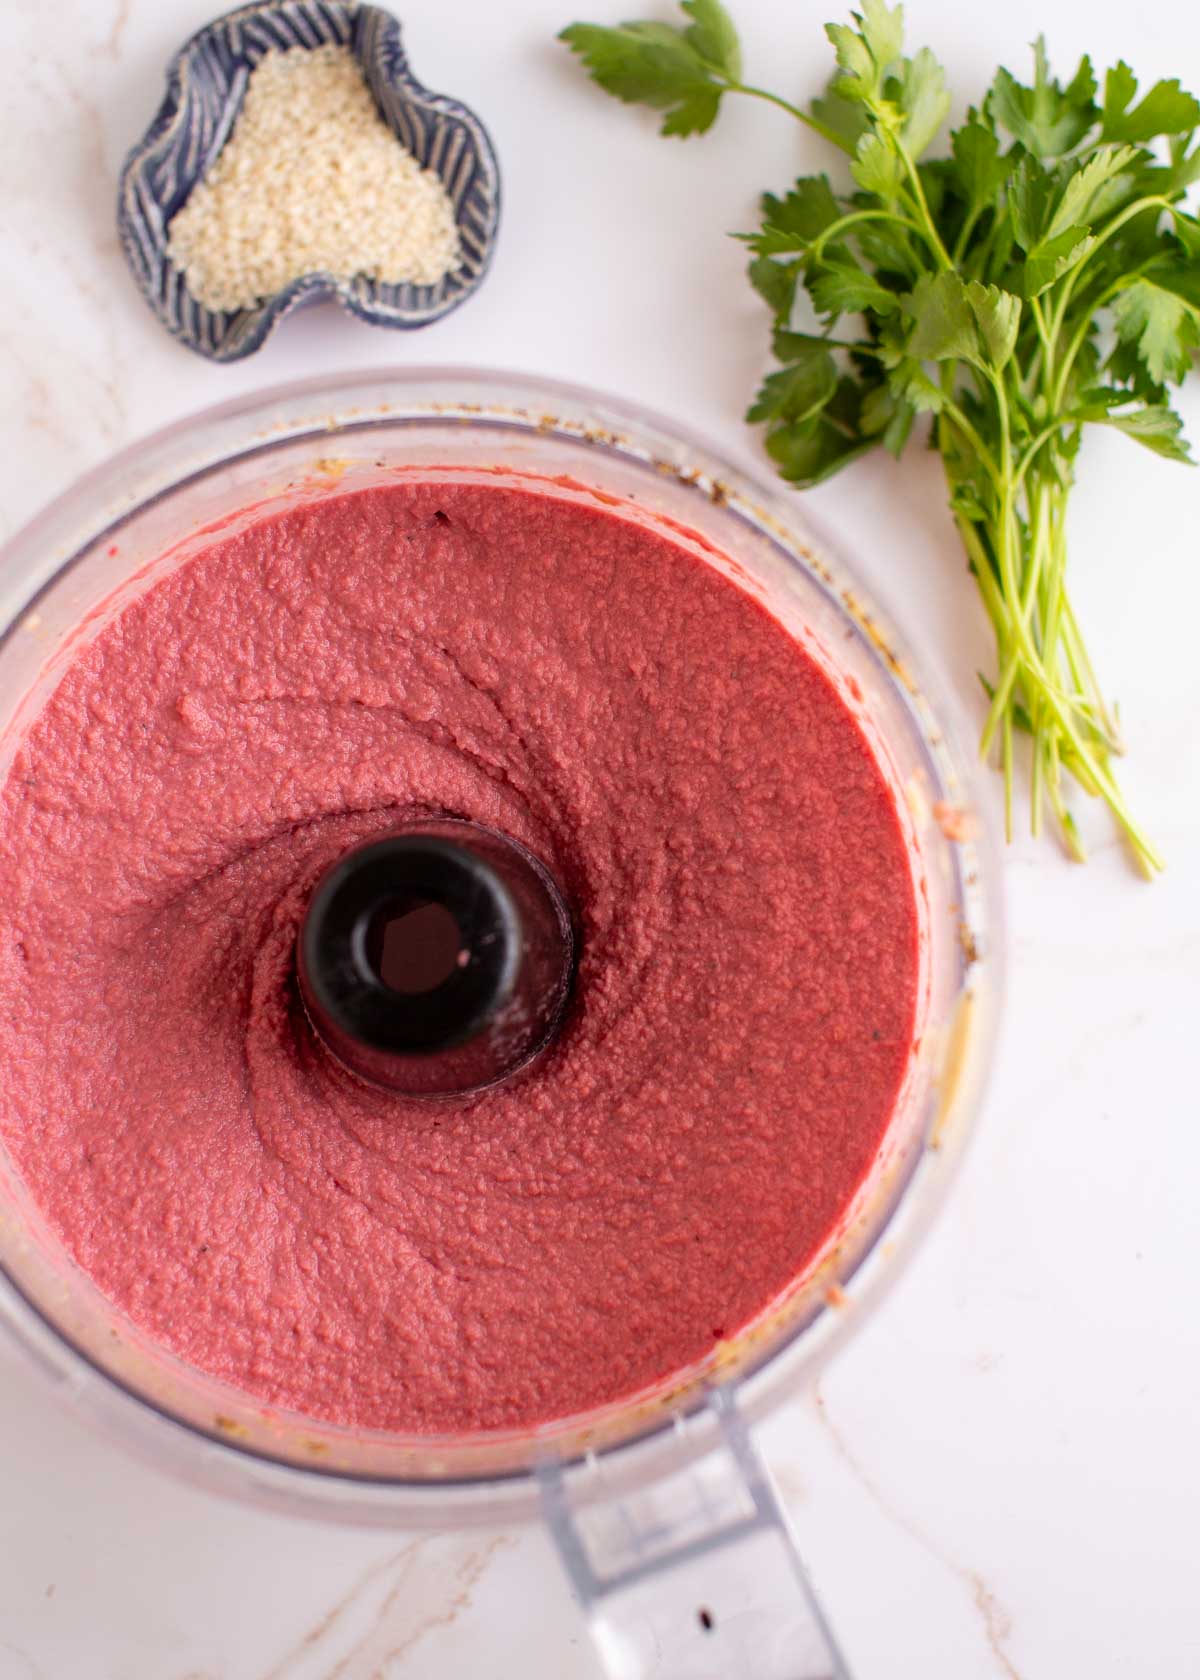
<point x="413" y="944"/>
<point x="436" y="960"/>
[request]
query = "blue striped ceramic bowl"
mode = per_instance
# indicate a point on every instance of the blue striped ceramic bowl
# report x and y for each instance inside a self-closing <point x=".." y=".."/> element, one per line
<point x="205" y="83"/>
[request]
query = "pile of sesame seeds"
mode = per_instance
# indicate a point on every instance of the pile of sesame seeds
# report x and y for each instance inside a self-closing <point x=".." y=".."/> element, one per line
<point x="312" y="181"/>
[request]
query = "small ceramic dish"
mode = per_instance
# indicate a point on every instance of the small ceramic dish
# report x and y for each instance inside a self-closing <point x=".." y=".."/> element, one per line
<point x="206" y="81"/>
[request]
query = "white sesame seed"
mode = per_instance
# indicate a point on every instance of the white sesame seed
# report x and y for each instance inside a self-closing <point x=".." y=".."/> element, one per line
<point x="312" y="181"/>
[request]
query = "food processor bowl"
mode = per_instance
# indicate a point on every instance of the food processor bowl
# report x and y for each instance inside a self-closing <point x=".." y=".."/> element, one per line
<point x="646" y="1494"/>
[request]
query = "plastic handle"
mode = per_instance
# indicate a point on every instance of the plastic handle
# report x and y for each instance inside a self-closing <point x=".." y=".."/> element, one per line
<point x="697" y="1576"/>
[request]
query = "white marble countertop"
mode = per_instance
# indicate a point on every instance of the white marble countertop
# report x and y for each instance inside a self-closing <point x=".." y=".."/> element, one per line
<point x="1000" y="1475"/>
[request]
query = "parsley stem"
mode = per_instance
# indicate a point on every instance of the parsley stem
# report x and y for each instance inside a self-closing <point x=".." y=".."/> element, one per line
<point x="1066" y="821"/>
<point x="999" y="712"/>
<point x="981" y="566"/>
<point x="815" y="123"/>
<point x="1039" y="321"/>
<point x="1019" y="653"/>
<point x="954" y="413"/>
<point x="1039" y="439"/>
<point x="1137" y="208"/>
<point x="965" y="232"/>
<point x="817" y="249"/>
<point x="933" y="236"/>
<point x="1046" y="507"/>
<point x="1081" y="662"/>
<point x="1087" y="322"/>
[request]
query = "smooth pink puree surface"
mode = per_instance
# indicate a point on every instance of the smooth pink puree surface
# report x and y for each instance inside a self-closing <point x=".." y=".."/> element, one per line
<point x="744" y="1008"/>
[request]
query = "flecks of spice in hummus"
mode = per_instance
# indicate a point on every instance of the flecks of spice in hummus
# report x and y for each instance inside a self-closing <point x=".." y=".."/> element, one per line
<point x="744" y="1009"/>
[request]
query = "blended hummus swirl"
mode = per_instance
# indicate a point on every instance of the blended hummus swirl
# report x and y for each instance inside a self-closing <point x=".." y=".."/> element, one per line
<point x="742" y="1017"/>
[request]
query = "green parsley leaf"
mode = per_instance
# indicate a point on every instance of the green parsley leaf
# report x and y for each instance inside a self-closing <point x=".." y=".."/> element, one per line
<point x="1030" y="193"/>
<point x="943" y="323"/>
<point x="878" y="407"/>
<point x="866" y="54"/>
<point x="1154" y="425"/>
<point x="789" y="346"/>
<point x="998" y="317"/>
<point x="712" y="35"/>
<point x="1187" y="230"/>
<point x="1083" y="198"/>
<point x="809" y="451"/>
<point x="1047" y="119"/>
<point x="792" y="223"/>
<point x="965" y="502"/>
<point x="1166" y="109"/>
<point x="979" y="170"/>
<point x="843" y="288"/>
<point x="888" y="417"/>
<point x="1157" y="320"/>
<point x="1053" y="257"/>
<point x="1157" y="427"/>
<point x="877" y="167"/>
<point x="922" y="95"/>
<point x="773" y="242"/>
<point x="775" y="282"/>
<point x="890" y="248"/>
<point x="694" y="114"/>
<point x="846" y="118"/>
<point x="882" y="29"/>
<point x="909" y="380"/>
<point x="1183" y="279"/>
<point x="796" y="392"/>
<point x="1182" y="172"/>
<point x="860" y="74"/>
<point x="955" y="320"/>
<point x="899" y="429"/>
<point x="651" y="64"/>
<point x="805" y="211"/>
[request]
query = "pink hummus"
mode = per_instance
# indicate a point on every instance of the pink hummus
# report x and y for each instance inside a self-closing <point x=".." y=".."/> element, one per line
<point x="742" y="1018"/>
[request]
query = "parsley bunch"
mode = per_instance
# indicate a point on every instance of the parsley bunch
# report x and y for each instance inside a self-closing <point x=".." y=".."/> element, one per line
<point x="1041" y="278"/>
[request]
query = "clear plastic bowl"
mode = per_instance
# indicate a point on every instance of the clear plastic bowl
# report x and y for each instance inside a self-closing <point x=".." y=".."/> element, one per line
<point x="111" y="535"/>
